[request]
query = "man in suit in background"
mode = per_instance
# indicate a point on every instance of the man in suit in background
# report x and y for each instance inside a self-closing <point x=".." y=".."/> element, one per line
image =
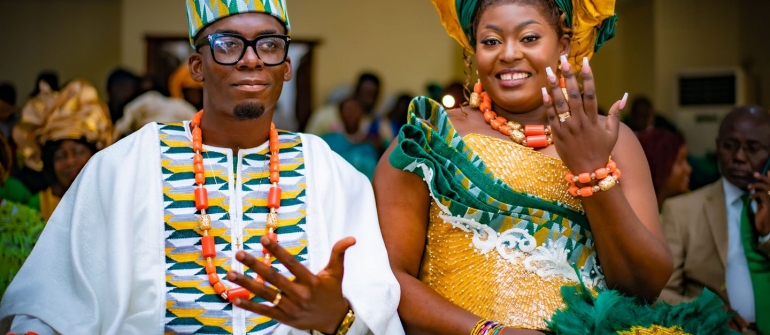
<point x="719" y="237"/>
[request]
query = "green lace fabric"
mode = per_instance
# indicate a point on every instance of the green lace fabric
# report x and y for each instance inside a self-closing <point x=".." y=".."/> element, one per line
<point x="20" y="227"/>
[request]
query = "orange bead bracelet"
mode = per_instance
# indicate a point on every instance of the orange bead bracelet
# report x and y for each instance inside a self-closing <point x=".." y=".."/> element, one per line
<point x="608" y="177"/>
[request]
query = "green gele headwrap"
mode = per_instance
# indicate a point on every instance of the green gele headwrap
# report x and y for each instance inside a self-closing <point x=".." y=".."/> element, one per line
<point x="590" y="20"/>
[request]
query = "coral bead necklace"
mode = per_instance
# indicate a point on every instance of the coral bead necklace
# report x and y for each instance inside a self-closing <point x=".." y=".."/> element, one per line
<point x="204" y="222"/>
<point x="530" y="135"/>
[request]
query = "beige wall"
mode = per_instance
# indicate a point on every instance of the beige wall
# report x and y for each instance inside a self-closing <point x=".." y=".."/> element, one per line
<point x="692" y="34"/>
<point x="401" y="40"/>
<point x="754" y="48"/>
<point x="626" y="63"/>
<point x="140" y="18"/>
<point x="77" y="38"/>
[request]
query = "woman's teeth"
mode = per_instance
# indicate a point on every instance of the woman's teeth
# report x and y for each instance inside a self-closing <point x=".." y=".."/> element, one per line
<point x="514" y="76"/>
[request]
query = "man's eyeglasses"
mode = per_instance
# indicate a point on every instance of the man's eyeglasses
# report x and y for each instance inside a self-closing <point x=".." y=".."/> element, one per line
<point x="750" y="148"/>
<point x="228" y="49"/>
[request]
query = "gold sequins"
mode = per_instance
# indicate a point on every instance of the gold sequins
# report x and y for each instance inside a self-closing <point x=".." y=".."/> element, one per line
<point x="523" y="169"/>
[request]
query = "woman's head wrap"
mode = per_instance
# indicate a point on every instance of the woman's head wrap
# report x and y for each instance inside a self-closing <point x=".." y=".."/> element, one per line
<point x="592" y="22"/>
<point x="201" y="13"/>
<point x="72" y="114"/>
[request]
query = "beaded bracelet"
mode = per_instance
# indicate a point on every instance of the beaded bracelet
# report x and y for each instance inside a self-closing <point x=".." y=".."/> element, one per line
<point x="487" y="327"/>
<point x="608" y="177"/>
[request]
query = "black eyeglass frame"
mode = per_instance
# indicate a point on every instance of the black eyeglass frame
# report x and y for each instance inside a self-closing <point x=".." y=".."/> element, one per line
<point x="246" y="44"/>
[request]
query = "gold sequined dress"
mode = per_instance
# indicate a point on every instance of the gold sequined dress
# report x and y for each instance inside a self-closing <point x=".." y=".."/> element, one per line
<point x="504" y="234"/>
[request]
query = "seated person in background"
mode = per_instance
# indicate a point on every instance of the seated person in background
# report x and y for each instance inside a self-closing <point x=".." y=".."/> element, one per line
<point x="667" y="156"/>
<point x="122" y="87"/>
<point x="19" y="225"/>
<point x="9" y="113"/>
<point x="643" y="117"/>
<point x="718" y="242"/>
<point x="182" y="86"/>
<point x="29" y="167"/>
<point x="327" y="120"/>
<point x="11" y="189"/>
<point x="386" y="127"/>
<point x="352" y="144"/>
<point x="152" y="106"/>
<point x="60" y="136"/>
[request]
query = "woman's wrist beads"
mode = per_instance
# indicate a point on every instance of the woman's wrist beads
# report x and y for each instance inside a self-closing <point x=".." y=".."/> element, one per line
<point x="607" y="177"/>
<point x="487" y="327"/>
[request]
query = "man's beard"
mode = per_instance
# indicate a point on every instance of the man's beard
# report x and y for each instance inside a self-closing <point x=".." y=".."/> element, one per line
<point x="248" y="111"/>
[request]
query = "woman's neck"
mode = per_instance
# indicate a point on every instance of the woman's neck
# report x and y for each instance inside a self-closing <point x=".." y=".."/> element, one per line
<point x="536" y="116"/>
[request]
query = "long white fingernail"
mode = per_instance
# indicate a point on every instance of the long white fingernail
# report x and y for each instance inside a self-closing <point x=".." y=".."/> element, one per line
<point x="624" y="100"/>
<point x="564" y="63"/>
<point x="546" y="97"/>
<point x="586" y="67"/>
<point x="551" y="75"/>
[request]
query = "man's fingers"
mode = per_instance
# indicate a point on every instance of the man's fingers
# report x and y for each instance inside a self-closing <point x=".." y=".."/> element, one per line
<point x="272" y="312"/>
<point x="336" y="264"/>
<point x="266" y="272"/>
<point x="283" y="256"/>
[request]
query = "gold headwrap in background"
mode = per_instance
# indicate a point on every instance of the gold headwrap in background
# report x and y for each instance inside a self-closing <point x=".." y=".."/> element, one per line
<point x="592" y="23"/>
<point x="74" y="113"/>
<point x="180" y="80"/>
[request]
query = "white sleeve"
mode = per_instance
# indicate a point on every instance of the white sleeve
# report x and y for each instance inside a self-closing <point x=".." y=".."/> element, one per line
<point x="341" y="203"/>
<point x="24" y="323"/>
<point x="103" y="242"/>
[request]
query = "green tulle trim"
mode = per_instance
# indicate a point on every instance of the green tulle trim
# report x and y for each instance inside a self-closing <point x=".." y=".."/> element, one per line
<point x="610" y="312"/>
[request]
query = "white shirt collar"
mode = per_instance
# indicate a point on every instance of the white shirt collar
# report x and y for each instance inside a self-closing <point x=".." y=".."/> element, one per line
<point x="732" y="193"/>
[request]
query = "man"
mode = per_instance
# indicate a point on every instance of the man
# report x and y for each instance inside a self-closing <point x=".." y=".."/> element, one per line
<point x="720" y="242"/>
<point x="327" y="119"/>
<point x="154" y="235"/>
<point x="643" y="116"/>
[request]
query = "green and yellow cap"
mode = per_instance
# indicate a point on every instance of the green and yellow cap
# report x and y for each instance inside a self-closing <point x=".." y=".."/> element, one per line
<point x="201" y="13"/>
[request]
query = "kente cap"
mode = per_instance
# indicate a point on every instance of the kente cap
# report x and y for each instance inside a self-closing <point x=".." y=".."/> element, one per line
<point x="592" y="22"/>
<point x="201" y="13"/>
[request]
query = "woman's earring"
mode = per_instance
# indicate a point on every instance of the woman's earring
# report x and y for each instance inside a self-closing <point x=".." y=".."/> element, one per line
<point x="475" y="98"/>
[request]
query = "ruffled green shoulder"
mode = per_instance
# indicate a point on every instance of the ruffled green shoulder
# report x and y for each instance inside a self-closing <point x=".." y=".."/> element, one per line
<point x="610" y="312"/>
<point x="458" y="179"/>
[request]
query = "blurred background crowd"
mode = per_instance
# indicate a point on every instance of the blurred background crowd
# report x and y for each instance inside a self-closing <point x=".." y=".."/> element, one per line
<point x="78" y="75"/>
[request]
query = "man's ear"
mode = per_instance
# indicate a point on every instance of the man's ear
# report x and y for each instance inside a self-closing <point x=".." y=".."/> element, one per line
<point x="195" y="63"/>
<point x="289" y="71"/>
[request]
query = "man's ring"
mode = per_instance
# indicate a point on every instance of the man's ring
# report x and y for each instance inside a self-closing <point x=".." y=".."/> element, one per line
<point x="277" y="298"/>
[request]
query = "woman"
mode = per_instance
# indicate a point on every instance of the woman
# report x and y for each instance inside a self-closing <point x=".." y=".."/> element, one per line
<point x="20" y="225"/>
<point x="484" y="232"/>
<point x="667" y="156"/>
<point x="352" y="144"/>
<point x="60" y="137"/>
